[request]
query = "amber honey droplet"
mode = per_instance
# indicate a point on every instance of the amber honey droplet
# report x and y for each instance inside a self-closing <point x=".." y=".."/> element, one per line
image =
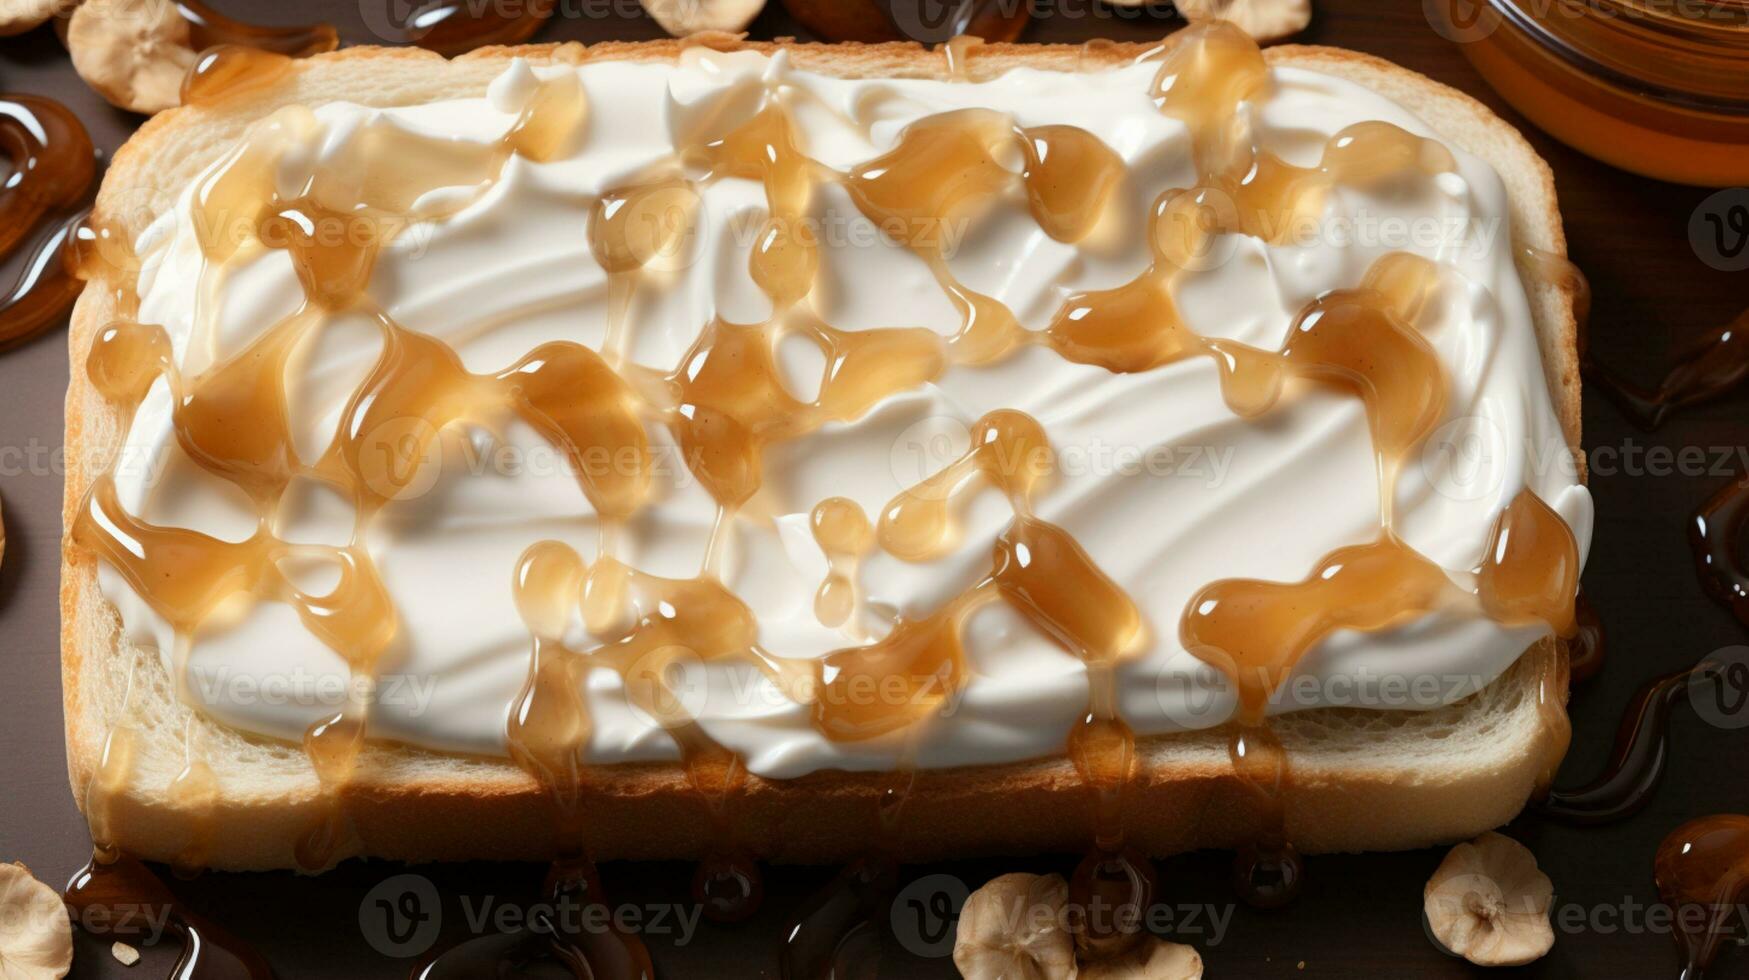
<point x="232" y="419"/>
<point x="452" y="27"/>
<point x="1046" y="575"/>
<point x="1114" y="890"/>
<point x="333" y="251"/>
<point x="229" y="70"/>
<point x="1211" y="69"/>
<point x="209" y="28"/>
<point x="1255" y="631"/>
<point x="1702" y="869"/>
<point x="571" y="396"/>
<point x="1070" y="175"/>
<point x="1530" y="568"/>
<point x="842" y="532"/>
<point x="548" y="726"/>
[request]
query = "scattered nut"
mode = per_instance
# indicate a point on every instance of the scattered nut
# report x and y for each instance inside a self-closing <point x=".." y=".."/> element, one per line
<point x="36" y="937"/>
<point x="683" y="17"/>
<point x="125" y="954"/>
<point x="1488" y="903"/>
<point x="133" y="52"/>
<point x="1012" y="928"/>
<point x="1155" y="960"/>
<point x="18" y="16"/>
<point x="1264" y="20"/>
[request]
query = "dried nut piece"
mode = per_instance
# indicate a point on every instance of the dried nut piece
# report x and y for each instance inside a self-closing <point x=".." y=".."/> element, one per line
<point x="683" y="17"/>
<point x="126" y="955"/>
<point x="1264" y="20"/>
<point x="133" y="52"/>
<point x="1488" y="903"/>
<point x="36" y="937"/>
<point x="1012" y="928"/>
<point x="18" y="16"/>
<point x="1156" y="960"/>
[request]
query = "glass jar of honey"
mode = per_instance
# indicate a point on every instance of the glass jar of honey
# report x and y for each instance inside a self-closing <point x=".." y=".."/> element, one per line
<point x="1658" y="87"/>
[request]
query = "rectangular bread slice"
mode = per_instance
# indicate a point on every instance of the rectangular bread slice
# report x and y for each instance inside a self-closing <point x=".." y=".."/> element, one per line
<point x="1363" y="780"/>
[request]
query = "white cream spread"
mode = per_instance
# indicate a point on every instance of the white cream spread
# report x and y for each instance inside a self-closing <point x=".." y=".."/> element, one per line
<point x="1162" y="484"/>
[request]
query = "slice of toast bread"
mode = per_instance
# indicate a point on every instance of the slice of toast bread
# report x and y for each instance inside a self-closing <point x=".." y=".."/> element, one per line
<point x="1362" y="779"/>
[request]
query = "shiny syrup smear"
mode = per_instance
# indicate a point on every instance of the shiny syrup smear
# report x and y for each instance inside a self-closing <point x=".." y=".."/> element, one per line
<point x="1636" y="764"/>
<point x="209" y="28"/>
<point x="1589" y="642"/>
<point x="1708" y="368"/>
<point x="928" y="21"/>
<point x="118" y="889"/>
<point x="1716" y="537"/>
<point x="452" y="27"/>
<point x="52" y="164"/>
<point x="727" y="403"/>
<point x="1702" y="870"/>
<point x="546" y="944"/>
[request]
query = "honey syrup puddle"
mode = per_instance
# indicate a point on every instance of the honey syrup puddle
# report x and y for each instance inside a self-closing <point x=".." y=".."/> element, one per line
<point x="726" y="403"/>
<point x="1702" y="867"/>
<point x="53" y="165"/>
<point x="1716" y="536"/>
<point x="1636" y="763"/>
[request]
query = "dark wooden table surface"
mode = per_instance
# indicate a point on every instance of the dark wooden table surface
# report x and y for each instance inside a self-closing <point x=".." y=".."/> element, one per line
<point x="1359" y="916"/>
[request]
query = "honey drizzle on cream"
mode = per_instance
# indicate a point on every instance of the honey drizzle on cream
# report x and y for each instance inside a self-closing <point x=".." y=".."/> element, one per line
<point x="726" y="402"/>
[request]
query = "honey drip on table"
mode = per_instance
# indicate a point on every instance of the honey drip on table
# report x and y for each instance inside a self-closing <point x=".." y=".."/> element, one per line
<point x="1716" y="535"/>
<point x="1708" y="368"/>
<point x="238" y="57"/>
<point x="118" y="889"/>
<point x="209" y="28"/>
<point x="452" y="27"/>
<point x="52" y="164"/>
<point x="1702" y="870"/>
<point x="926" y="21"/>
<point x="1636" y="762"/>
<point x="726" y="404"/>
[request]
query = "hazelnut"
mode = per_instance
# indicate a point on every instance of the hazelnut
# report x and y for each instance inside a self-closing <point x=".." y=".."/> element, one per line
<point x="1488" y="903"/>
<point x="1155" y="959"/>
<point x="18" y="16"/>
<point x="683" y="17"/>
<point x="1012" y="928"/>
<point x="1264" y="20"/>
<point x="134" y="53"/>
<point x="36" y="937"/>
